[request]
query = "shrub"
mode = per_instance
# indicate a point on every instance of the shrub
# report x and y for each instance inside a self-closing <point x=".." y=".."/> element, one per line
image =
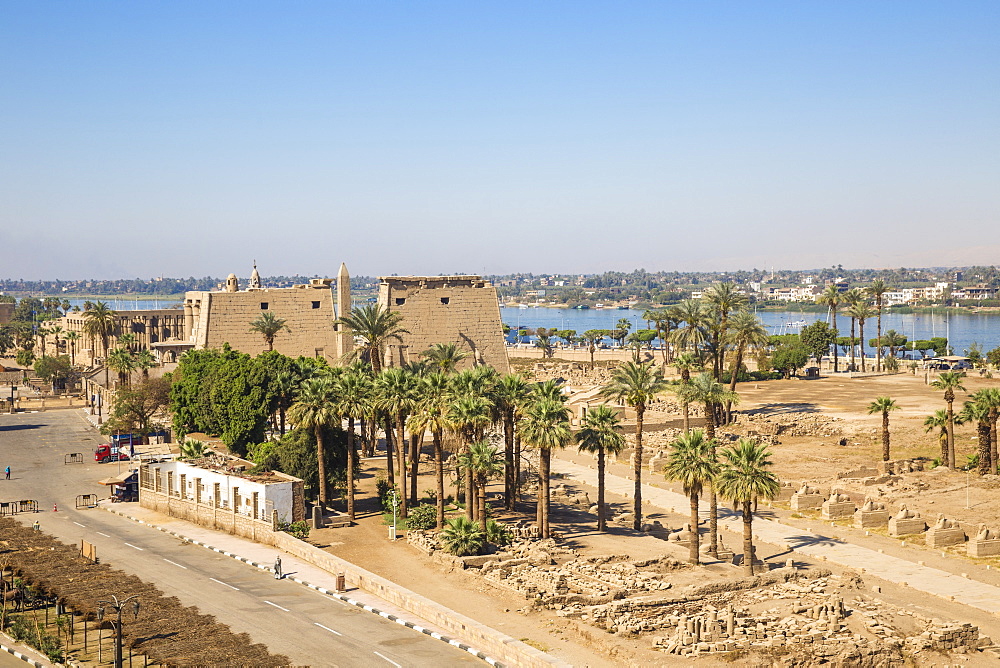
<point x="497" y="533"/>
<point x="422" y="517"/>
<point x="462" y="537"/>
<point x="298" y="529"/>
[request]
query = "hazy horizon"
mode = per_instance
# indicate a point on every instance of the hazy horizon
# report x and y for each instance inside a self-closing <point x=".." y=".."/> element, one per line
<point x="188" y="139"/>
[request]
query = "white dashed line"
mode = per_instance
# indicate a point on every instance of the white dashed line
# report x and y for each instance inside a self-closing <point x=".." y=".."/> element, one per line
<point x="277" y="606"/>
<point x="103" y="534"/>
<point x="328" y="629"/>
<point x="175" y="564"/>
<point x="224" y="584"/>
<point x="134" y="547"/>
<point x="389" y="660"/>
<point x="80" y="525"/>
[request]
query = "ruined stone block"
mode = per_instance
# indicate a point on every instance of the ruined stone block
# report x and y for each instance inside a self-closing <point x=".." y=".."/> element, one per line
<point x="785" y="492"/>
<point x="944" y="532"/>
<point x="986" y="543"/>
<point x="906" y="522"/>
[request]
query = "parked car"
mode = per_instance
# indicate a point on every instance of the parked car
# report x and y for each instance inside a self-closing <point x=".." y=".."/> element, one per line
<point x="106" y="452"/>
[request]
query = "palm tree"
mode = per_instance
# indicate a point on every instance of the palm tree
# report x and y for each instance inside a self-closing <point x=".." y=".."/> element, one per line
<point x="831" y="297"/>
<point x="375" y="326"/>
<point x="725" y="298"/>
<point x="431" y="414"/>
<point x="144" y="361"/>
<point x="746" y="333"/>
<point x="853" y="297"/>
<point x="743" y="479"/>
<point x="72" y="337"/>
<point x="394" y="389"/>
<point x="861" y="312"/>
<point x="99" y="324"/>
<point x="268" y="325"/>
<point x="121" y="361"/>
<point x="693" y="333"/>
<point x="601" y="434"/>
<point x="509" y="395"/>
<point x="353" y="392"/>
<point x="877" y="290"/>
<point x="545" y="425"/>
<point x="485" y="461"/>
<point x="55" y="331"/>
<point x="939" y="421"/>
<point x="991" y="397"/>
<point x="591" y="338"/>
<point x="445" y="356"/>
<point x="949" y="381"/>
<point x="314" y="409"/>
<point x="126" y="341"/>
<point x="692" y="463"/>
<point x="463" y="537"/>
<point x="979" y="412"/>
<point x="883" y="405"/>
<point x="41" y="333"/>
<point x="636" y="385"/>
<point x="469" y="415"/>
<point x="685" y="363"/>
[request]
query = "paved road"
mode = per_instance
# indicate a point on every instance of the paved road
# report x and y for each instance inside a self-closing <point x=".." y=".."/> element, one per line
<point x="307" y="626"/>
<point x="934" y="581"/>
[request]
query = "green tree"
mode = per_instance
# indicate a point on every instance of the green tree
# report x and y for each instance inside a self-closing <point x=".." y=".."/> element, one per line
<point x="353" y="399"/>
<point x="469" y="413"/>
<point x="601" y="434"/>
<point x="395" y="395"/>
<point x="462" y="537"/>
<point x="853" y="298"/>
<point x="431" y="414"/>
<point x="939" y="421"/>
<point x="692" y="463"/>
<point x="99" y="323"/>
<point x="54" y="370"/>
<point x="485" y="461"/>
<point x="725" y="298"/>
<point x="993" y="357"/>
<point x="861" y="312"/>
<point x="949" y="381"/>
<point x="636" y="385"/>
<point x="817" y="339"/>
<point x="72" y="338"/>
<point x="746" y="332"/>
<point x="789" y="357"/>
<point x="743" y="479"/>
<point x="445" y="356"/>
<point x="693" y="333"/>
<point x="545" y="426"/>
<point x="315" y="409"/>
<point x="136" y="409"/>
<point x="122" y="362"/>
<point x="883" y="405"/>
<point x="592" y="337"/>
<point x="979" y="412"/>
<point x="877" y="290"/>
<point x="990" y="398"/>
<point x="268" y="326"/>
<point x="509" y="396"/>
<point x="376" y="327"/>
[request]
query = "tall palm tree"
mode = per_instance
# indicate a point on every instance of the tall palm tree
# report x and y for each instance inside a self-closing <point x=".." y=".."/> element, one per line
<point x="861" y="312"/>
<point x="121" y="361"/>
<point x="746" y="332"/>
<point x="509" y="395"/>
<point x="72" y="337"/>
<point x="877" y="290"/>
<point x="55" y="331"/>
<point x="353" y="398"/>
<point x="979" y="412"/>
<point x="852" y="297"/>
<point x="375" y="326"/>
<point x="949" y="381"/>
<point x="883" y="405"/>
<point x="431" y="414"/>
<point x="268" y="325"/>
<point x="591" y="338"/>
<point x="636" y="385"/>
<point x="545" y="425"/>
<point x="469" y="415"/>
<point x="99" y="324"/>
<point x="395" y="394"/>
<point x="743" y="479"/>
<point x="693" y="333"/>
<point x="314" y="409"/>
<point x="711" y="394"/>
<point x="831" y="297"/>
<point x="685" y="363"/>
<point x="692" y="463"/>
<point x="444" y="356"/>
<point x="939" y="421"/>
<point x="41" y="333"/>
<point x="601" y="434"/>
<point x="724" y="298"/>
<point x="991" y="397"/>
<point x="485" y="461"/>
<point x="144" y="361"/>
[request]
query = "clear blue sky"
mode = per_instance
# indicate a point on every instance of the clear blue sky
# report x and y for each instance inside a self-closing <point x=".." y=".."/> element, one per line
<point x="179" y="138"/>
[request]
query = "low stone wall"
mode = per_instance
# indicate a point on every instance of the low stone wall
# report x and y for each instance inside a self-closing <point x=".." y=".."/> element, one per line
<point x="220" y="519"/>
<point x="502" y="647"/>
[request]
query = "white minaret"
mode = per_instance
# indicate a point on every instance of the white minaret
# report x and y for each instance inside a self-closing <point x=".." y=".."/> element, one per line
<point x="345" y="339"/>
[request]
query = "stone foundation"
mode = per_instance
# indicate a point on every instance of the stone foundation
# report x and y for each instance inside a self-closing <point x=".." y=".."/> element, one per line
<point x="906" y="522"/>
<point x="872" y="514"/>
<point x="837" y="506"/>
<point x="945" y="532"/>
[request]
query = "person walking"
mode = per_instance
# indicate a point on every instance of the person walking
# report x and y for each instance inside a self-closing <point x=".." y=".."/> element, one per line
<point x="7" y="473"/>
<point x="277" y="568"/>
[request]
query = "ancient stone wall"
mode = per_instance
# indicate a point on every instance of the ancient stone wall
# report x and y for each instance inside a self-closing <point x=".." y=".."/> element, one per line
<point x="445" y="309"/>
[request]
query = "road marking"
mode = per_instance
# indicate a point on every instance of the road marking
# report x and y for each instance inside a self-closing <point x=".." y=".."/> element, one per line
<point x="80" y="525"/>
<point x="389" y="660"/>
<point x="103" y="534"/>
<point x="134" y="547"/>
<point x="328" y="629"/>
<point x="175" y="564"/>
<point x="223" y="583"/>
<point x="277" y="606"/>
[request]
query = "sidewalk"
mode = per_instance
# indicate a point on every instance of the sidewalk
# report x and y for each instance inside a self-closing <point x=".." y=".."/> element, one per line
<point x="19" y="650"/>
<point x="262" y="557"/>
<point x="934" y="581"/>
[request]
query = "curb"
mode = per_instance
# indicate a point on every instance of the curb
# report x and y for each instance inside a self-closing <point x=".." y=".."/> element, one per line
<point x="346" y="599"/>
<point x="27" y="659"/>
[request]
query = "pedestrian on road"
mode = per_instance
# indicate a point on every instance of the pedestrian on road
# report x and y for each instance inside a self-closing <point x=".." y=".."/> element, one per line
<point x="7" y="472"/>
<point x="277" y="568"/>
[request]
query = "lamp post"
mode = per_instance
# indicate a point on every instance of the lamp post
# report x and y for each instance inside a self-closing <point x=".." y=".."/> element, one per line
<point x="117" y="607"/>
<point x="392" y="532"/>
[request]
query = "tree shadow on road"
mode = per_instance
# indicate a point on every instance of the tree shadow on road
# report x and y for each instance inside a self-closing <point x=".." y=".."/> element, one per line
<point x="778" y="408"/>
<point x="19" y="427"/>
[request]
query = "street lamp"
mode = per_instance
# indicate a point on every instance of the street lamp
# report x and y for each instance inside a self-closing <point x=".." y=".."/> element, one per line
<point x="392" y="531"/>
<point x="117" y="607"/>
